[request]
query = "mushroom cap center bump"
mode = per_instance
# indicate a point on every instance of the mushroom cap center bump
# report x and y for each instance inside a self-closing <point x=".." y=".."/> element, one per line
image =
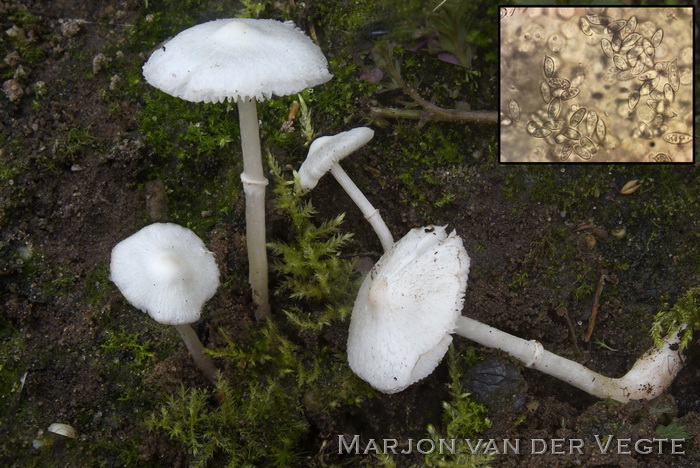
<point x="165" y="270"/>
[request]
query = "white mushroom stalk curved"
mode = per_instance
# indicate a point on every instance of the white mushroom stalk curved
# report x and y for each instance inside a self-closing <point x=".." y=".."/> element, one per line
<point x="244" y="60"/>
<point x="166" y="270"/>
<point x="325" y="154"/>
<point x="410" y="303"/>
<point x="648" y="378"/>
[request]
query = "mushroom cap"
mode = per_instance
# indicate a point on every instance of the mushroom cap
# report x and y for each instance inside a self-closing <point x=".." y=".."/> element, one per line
<point x="406" y="309"/>
<point x="237" y="58"/>
<point x="326" y="151"/>
<point x="165" y="270"/>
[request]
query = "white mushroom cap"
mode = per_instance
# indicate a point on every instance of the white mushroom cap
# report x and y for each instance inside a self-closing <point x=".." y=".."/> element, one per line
<point x="326" y="151"/>
<point x="237" y="58"/>
<point x="165" y="270"/>
<point x="407" y="308"/>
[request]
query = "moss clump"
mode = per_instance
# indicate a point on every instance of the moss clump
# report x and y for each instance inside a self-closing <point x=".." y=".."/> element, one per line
<point x="259" y="413"/>
<point x="27" y="45"/>
<point x="257" y="422"/>
<point x="463" y="418"/>
<point x="336" y="103"/>
<point x="195" y="153"/>
<point x="132" y="343"/>
<point x="309" y="262"/>
<point x="683" y="317"/>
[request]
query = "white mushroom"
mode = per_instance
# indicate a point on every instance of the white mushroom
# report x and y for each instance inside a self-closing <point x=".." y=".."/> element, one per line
<point x="241" y="60"/>
<point x="410" y="303"/>
<point x="166" y="270"/>
<point x="406" y="309"/>
<point x="325" y="154"/>
<point x="648" y="378"/>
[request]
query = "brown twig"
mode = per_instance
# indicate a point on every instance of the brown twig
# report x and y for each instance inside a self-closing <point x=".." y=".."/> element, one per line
<point x="437" y="114"/>
<point x="563" y="312"/>
<point x="594" y="309"/>
<point x="431" y="111"/>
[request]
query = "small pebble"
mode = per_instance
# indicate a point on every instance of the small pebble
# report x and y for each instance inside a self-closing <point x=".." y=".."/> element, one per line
<point x="12" y="59"/>
<point x="71" y="27"/>
<point x="98" y="62"/>
<point x="16" y="33"/>
<point x="13" y="90"/>
<point x="619" y="233"/>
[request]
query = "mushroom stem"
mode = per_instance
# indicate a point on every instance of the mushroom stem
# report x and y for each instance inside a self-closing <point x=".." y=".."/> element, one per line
<point x="254" y="183"/>
<point x="196" y="349"/>
<point x="371" y="213"/>
<point x="650" y="376"/>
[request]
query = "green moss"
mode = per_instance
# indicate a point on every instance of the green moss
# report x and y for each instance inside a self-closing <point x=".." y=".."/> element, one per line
<point x="97" y="285"/>
<point x="309" y="262"/>
<point x="257" y="414"/>
<point x="461" y="31"/>
<point x="76" y="140"/>
<point x="184" y="130"/>
<point x="684" y="314"/>
<point x="260" y="424"/>
<point x="29" y="49"/>
<point x="193" y="147"/>
<point x="520" y="280"/>
<point x="419" y="154"/>
<point x="195" y="151"/>
<point x="463" y="418"/>
<point x="131" y="343"/>
<point x="336" y="102"/>
<point x="425" y="156"/>
<point x="673" y="430"/>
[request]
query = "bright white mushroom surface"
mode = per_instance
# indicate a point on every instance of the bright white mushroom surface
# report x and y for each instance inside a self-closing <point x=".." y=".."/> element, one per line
<point x="325" y="154"/>
<point x="237" y="59"/>
<point x="649" y="377"/>
<point x="406" y="309"/>
<point x="243" y="60"/>
<point x="410" y="303"/>
<point x="165" y="270"/>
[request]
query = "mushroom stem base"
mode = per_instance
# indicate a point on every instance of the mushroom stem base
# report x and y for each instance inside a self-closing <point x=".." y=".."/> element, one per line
<point x="649" y="377"/>
<point x="196" y="349"/>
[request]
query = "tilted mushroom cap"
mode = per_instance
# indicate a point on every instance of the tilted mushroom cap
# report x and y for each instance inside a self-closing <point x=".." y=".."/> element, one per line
<point x="165" y="270"/>
<point x="237" y="58"/>
<point x="325" y="151"/>
<point x="407" y="308"/>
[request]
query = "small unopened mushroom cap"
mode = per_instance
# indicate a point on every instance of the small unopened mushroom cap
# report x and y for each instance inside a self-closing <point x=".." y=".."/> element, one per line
<point x="237" y="58"/>
<point x="165" y="270"/>
<point x="406" y="309"/>
<point x="326" y="151"/>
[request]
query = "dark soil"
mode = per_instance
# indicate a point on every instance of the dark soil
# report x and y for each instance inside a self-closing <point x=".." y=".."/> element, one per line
<point x="75" y="167"/>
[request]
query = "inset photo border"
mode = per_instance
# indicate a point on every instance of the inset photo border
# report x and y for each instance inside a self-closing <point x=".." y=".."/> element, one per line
<point x="596" y="84"/>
